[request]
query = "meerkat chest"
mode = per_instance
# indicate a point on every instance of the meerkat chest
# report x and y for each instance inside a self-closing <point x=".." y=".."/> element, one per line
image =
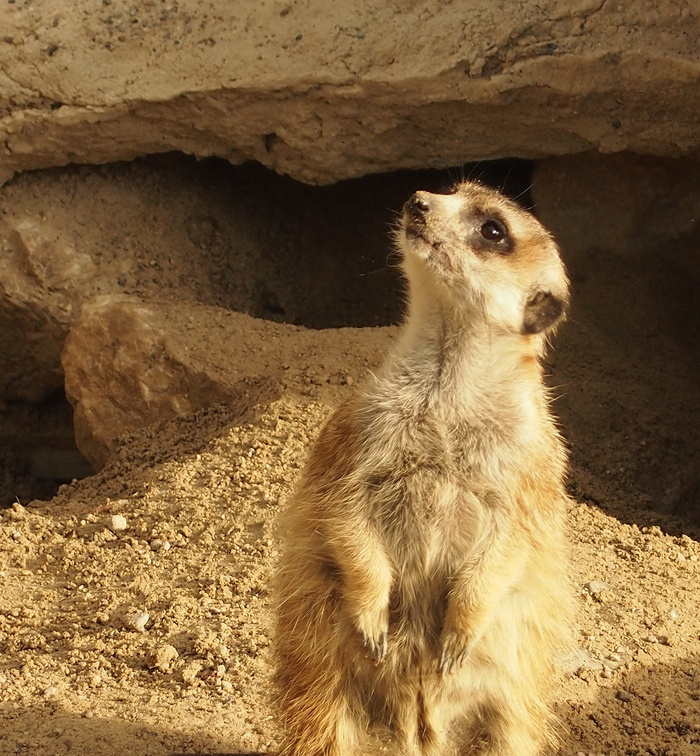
<point x="430" y="484"/>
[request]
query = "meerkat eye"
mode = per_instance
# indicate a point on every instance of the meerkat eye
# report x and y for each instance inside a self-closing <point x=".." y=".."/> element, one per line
<point x="493" y="231"/>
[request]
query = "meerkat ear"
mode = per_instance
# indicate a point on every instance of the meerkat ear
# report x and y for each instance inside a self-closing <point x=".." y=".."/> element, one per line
<point x="542" y="311"/>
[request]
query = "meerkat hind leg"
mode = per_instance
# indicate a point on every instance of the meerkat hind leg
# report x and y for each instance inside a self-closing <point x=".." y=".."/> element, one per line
<point x="506" y="730"/>
<point x="324" y="723"/>
<point x="418" y="720"/>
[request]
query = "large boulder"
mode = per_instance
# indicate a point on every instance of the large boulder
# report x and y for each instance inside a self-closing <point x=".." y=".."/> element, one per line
<point x="353" y="89"/>
<point x="174" y="229"/>
<point x="129" y="364"/>
<point x="68" y="237"/>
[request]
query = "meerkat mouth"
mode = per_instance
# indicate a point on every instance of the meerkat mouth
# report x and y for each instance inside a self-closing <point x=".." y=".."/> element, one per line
<point x="436" y="254"/>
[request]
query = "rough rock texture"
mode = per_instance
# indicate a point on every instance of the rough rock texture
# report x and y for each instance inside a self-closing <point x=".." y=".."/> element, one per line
<point x="346" y="90"/>
<point x="130" y="364"/>
<point x="174" y="229"/>
<point x="627" y="204"/>
<point x="68" y="237"/>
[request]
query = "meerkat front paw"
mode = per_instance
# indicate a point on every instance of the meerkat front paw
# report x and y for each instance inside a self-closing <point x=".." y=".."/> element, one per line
<point x="455" y="649"/>
<point x="374" y="631"/>
<point x="376" y="647"/>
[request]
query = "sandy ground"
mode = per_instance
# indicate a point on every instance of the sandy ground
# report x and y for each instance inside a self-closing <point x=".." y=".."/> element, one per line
<point x="134" y="610"/>
<point x="155" y="639"/>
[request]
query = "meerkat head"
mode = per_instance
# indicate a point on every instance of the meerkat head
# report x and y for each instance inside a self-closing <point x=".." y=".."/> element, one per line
<point x="485" y="256"/>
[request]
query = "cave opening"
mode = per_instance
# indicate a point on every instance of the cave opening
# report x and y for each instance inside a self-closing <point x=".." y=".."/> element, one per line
<point x="624" y="370"/>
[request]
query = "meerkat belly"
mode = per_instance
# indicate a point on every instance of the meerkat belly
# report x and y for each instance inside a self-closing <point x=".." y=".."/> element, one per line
<point x="428" y="524"/>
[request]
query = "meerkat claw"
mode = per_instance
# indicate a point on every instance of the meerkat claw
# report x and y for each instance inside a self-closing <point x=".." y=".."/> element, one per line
<point x="376" y="648"/>
<point x="452" y="657"/>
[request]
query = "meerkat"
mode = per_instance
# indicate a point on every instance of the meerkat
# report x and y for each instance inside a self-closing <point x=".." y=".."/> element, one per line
<point x="422" y="582"/>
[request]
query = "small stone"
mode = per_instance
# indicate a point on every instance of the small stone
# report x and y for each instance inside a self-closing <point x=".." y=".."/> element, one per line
<point x="156" y="544"/>
<point x="673" y="614"/>
<point x="136" y="621"/>
<point x="89" y="714"/>
<point x="579" y="662"/>
<point x="595" y="587"/>
<point x="117" y="523"/>
<point x="50" y="692"/>
<point x="606" y="672"/>
<point x="650" y="638"/>
<point x="349" y="380"/>
<point x="161" y="657"/>
<point x="623" y="695"/>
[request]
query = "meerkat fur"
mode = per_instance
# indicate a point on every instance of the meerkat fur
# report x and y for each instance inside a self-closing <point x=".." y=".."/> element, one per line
<point x="423" y="584"/>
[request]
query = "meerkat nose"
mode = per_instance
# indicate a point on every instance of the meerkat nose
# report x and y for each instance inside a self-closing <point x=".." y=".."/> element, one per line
<point x="418" y="206"/>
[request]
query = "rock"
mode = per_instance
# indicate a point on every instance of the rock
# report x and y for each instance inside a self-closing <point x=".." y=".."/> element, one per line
<point x="350" y="91"/>
<point x="118" y="523"/>
<point x="129" y="364"/>
<point x="136" y="620"/>
<point x="616" y="203"/>
<point x="38" y="278"/>
<point x="162" y="657"/>
<point x="597" y="586"/>
<point x="157" y="544"/>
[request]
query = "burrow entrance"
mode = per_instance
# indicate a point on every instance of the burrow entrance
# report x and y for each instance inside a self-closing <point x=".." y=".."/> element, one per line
<point x="625" y="369"/>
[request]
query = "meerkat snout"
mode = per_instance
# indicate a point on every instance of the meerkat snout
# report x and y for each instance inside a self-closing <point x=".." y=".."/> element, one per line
<point x="485" y="254"/>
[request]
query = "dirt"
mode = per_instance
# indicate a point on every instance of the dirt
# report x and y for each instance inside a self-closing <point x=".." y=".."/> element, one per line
<point x="134" y="610"/>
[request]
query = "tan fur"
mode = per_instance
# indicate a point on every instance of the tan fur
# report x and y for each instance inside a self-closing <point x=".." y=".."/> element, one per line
<point x="423" y="579"/>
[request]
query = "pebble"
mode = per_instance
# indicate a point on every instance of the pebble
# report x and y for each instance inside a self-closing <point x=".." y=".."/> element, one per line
<point x="578" y="661"/>
<point x="89" y="714"/>
<point x="623" y="695"/>
<point x="117" y="523"/>
<point x="50" y="692"/>
<point x="158" y="545"/>
<point x="161" y="657"/>
<point x="137" y="621"/>
<point x="597" y="586"/>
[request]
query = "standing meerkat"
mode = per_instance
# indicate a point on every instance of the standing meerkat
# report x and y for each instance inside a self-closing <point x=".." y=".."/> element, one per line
<point x="423" y="578"/>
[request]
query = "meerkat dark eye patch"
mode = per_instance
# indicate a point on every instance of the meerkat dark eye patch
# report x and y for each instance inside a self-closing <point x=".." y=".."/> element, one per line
<point x="488" y="234"/>
<point x="493" y="231"/>
<point x="542" y="311"/>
